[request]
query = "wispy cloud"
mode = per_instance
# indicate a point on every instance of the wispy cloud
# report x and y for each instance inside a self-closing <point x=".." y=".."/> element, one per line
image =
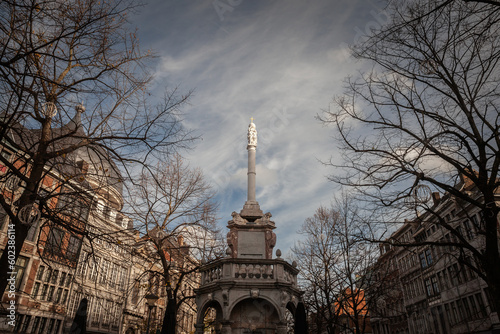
<point x="279" y="62"/>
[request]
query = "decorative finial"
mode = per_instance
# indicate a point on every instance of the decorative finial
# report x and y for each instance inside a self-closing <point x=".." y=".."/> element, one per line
<point x="80" y="108"/>
<point x="251" y="119"/>
<point x="252" y="134"/>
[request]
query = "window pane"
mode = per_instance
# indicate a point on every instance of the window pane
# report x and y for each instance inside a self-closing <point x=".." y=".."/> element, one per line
<point x="18" y="273"/>
<point x="57" y="299"/>
<point x="55" y="276"/>
<point x="73" y="248"/>
<point x="50" y="294"/>
<point x="36" y="287"/>
<point x="63" y="277"/>
<point x="42" y="325"/>
<point x="64" y="296"/>
<point x="39" y="274"/>
<point x="54" y="241"/>
<point x="68" y="280"/>
<point x="27" y="320"/>
<point x="35" y="325"/>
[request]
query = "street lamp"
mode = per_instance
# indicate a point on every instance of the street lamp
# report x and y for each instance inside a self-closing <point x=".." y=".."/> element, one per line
<point x="151" y="300"/>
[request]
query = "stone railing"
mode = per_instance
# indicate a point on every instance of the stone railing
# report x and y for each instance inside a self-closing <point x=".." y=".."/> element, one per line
<point x="229" y="269"/>
<point x="253" y="270"/>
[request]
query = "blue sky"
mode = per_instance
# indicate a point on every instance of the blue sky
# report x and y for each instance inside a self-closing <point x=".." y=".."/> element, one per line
<point x="280" y="62"/>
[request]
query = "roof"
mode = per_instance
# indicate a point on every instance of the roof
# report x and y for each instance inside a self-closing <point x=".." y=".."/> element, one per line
<point x="101" y="167"/>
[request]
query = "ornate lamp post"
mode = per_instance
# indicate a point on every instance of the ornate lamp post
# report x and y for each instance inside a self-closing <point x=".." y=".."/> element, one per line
<point x="151" y="300"/>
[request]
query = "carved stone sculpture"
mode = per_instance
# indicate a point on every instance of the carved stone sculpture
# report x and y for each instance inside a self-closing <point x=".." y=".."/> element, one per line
<point x="270" y="243"/>
<point x="237" y="219"/>
<point x="252" y="135"/>
<point x="232" y="242"/>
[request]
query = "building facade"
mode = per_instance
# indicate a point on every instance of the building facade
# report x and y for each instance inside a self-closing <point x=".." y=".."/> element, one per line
<point x="422" y="283"/>
<point x="90" y="250"/>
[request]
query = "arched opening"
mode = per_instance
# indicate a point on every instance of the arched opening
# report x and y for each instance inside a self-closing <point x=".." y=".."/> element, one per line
<point x="211" y="318"/>
<point x="254" y="316"/>
<point x="290" y="320"/>
<point x="300" y="324"/>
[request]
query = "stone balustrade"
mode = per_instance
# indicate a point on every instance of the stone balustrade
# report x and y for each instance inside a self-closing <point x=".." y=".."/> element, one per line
<point x="249" y="269"/>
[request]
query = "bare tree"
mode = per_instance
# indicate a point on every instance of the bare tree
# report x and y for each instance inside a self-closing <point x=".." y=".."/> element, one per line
<point x="55" y="54"/>
<point x="426" y="118"/>
<point x="333" y="261"/>
<point x="177" y="205"/>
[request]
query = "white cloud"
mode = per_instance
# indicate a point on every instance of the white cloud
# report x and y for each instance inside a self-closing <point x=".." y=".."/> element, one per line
<point x="279" y="62"/>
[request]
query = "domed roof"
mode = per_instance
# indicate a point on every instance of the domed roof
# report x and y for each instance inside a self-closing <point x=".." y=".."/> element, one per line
<point x="99" y="168"/>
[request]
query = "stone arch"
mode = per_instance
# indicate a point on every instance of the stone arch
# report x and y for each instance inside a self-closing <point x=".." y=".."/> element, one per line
<point x="300" y="316"/>
<point x="215" y="305"/>
<point x="290" y="311"/>
<point x="290" y="306"/>
<point x="264" y="297"/>
<point x="255" y="314"/>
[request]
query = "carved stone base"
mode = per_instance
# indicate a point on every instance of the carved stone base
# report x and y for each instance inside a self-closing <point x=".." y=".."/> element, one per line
<point x="251" y="211"/>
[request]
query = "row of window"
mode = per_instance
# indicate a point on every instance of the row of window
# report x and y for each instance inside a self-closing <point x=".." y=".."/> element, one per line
<point x="468" y="228"/>
<point x="407" y="261"/>
<point x="465" y="309"/>
<point x="97" y="237"/>
<point x="455" y="275"/>
<point x="111" y="215"/>
<point x="102" y="271"/>
<point x="447" y="278"/>
<point x="51" y="285"/>
<point x="414" y="288"/>
<point x="37" y="325"/>
<point x="55" y="244"/>
<point x="101" y="312"/>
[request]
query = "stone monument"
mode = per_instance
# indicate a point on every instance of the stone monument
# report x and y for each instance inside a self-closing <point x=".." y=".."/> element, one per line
<point x="249" y="290"/>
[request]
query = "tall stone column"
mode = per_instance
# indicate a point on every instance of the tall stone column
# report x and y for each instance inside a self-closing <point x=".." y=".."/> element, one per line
<point x="251" y="173"/>
<point x="251" y="209"/>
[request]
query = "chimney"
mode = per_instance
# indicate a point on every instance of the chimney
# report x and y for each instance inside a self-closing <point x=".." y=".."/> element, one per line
<point x="436" y="198"/>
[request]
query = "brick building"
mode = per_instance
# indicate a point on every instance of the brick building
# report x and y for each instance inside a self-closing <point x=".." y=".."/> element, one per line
<point x="89" y="249"/>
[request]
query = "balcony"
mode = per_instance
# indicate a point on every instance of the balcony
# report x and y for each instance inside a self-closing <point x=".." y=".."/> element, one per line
<point x="249" y="270"/>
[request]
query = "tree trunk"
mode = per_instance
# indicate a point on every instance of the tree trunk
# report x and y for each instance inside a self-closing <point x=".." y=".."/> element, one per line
<point x="170" y="317"/>
<point x="10" y="255"/>
<point x="491" y="259"/>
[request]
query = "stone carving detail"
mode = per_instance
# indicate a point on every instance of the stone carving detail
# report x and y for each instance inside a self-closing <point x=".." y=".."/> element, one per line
<point x="254" y="293"/>
<point x="232" y="242"/>
<point x="270" y="243"/>
<point x="265" y="219"/>
<point x="237" y="219"/>
<point x="284" y="298"/>
<point x="252" y="135"/>
<point x="225" y="296"/>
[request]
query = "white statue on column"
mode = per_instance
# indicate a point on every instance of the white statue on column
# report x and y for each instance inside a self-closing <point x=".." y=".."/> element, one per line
<point x="252" y="134"/>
